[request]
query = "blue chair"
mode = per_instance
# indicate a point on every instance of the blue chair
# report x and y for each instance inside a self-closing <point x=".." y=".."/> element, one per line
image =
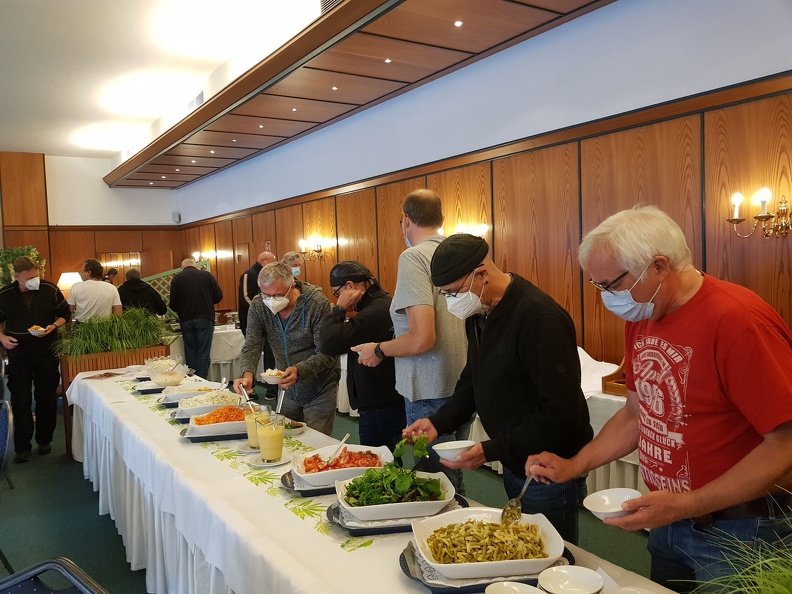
<point x="30" y="580"/>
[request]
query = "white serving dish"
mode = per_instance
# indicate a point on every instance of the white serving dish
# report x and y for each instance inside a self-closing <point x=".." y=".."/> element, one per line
<point x="186" y="413"/>
<point x="571" y="579"/>
<point x="511" y="588"/>
<point x="135" y="368"/>
<point x="607" y="503"/>
<point x="296" y="431"/>
<point x="191" y="390"/>
<point x="270" y="379"/>
<point x="168" y="377"/>
<point x="329" y="477"/>
<point x="551" y="540"/>
<point x="392" y="511"/>
<point x="449" y="450"/>
<point x="215" y="428"/>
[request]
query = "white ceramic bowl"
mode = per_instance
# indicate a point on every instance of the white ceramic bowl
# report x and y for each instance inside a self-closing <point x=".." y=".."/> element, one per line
<point x="511" y="588"/>
<point x="329" y="477"/>
<point x="570" y="579"/>
<point x="37" y="332"/>
<point x="270" y="379"/>
<point x="169" y="377"/>
<point x="392" y="511"/>
<point x="449" y="450"/>
<point x="294" y="432"/>
<point x="551" y="540"/>
<point x="607" y="503"/>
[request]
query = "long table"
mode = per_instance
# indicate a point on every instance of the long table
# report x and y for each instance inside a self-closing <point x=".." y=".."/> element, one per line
<point x="227" y="343"/>
<point x="199" y="519"/>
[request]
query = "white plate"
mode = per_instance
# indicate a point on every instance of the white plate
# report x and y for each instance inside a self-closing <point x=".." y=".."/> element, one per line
<point x="391" y="511"/>
<point x="256" y="461"/>
<point x="135" y="368"/>
<point x="551" y="539"/>
<point x="329" y="477"/>
<point x="37" y="332"/>
<point x="247" y="450"/>
<point x="571" y="579"/>
<point x="511" y="588"/>
<point x="294" y="432"/>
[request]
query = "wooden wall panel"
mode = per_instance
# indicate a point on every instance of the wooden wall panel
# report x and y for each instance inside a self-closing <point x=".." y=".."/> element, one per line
<point x="69" y="250"/>
<point x="160" y="241"/>
<point x="390" y="237"/>
<point x="263" y="225"/>
<point x="206" y="235"/>
<point x="536" y="222"/>
<point x="289" y="230"/>
<point x="23" y="188"/>
<point x="748" y="147"/>
<point x="118" y="241"/>
<point x="192" y="244"/>
<point x="467" y="197"/>
<point x="658" y="164"/>
<point x="242" y="229"/>
<point x="39" y="239"/>
<point x="225" y="272"/>
<point x="357" y="228"/>
<point x="319" y="219"/>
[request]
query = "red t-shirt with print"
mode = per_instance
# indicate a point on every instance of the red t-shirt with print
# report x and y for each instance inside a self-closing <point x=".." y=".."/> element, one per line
<point x="712" y="377"/>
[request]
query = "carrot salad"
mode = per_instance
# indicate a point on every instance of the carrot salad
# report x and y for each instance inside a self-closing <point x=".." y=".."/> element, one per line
<point x="226" y="414"/>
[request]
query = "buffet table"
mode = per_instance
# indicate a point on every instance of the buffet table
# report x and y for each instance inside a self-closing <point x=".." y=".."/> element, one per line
<point x="227" y="344"/>
<point x="200" y="519"/>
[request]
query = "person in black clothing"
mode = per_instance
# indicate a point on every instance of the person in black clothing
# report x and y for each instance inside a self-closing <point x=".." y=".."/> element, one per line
<point x="249" y="288"/>
<point x="372" y="390"/>
<point x="193" y="295"/>
<point x="24" y="304"/>
<point x="111" y="276"/>
<point x="522" y="377"/>
<point x="138" y="293"/>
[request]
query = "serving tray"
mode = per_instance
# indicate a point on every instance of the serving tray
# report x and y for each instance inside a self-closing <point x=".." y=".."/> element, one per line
<point x="304" y="489"/>
<point x="202" y="438"/>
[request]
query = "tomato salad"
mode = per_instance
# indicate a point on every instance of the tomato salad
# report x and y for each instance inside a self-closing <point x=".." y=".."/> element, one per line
<point x="345" y="459"/>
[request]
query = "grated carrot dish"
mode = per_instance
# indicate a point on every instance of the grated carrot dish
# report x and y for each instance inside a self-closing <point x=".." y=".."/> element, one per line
<point x="226" y="414"/>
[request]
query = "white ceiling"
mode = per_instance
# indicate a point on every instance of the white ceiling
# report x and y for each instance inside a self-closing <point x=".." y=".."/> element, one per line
<point x="91" y="78"/>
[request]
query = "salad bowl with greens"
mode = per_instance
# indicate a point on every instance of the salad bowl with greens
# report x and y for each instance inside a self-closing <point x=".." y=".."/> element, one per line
<point x="391" y="492"/>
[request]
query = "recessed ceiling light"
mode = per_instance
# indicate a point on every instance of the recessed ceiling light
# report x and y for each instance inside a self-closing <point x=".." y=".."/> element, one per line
<point x="233" y="140"/>
<point x="163" y="177"/>
<point x="193" y="160"/>
<point x="335" y="88"/>
<point x="387" y="60"/>
<point x="261" y="125"/>
<point x="151" y="183"/>
<point x="212" y="152"/>
<point x="178" y="170"/>
<point x="457" y="23"/>
<point x="294" y="109"/>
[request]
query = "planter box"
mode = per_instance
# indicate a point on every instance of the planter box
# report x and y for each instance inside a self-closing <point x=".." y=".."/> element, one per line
<point x="71" y="366"/>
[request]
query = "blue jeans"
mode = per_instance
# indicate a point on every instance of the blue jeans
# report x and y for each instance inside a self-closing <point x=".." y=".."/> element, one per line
<point x="197" y="335"/>
<point x="685" y="552"/>
<point x="426" y="408"/>
<point x="382" y="426"/>
<point x="558" y="502"/>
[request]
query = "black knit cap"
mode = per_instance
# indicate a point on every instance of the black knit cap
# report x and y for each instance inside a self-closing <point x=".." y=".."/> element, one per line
<point x="456" y="256"/>
<point x="349" y="270"/>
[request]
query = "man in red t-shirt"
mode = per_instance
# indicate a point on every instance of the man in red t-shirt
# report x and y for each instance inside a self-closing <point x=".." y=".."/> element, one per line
<point x="709" y="404"/>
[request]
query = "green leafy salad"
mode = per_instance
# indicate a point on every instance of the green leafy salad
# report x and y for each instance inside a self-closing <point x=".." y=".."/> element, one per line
<point x="391" y="484"/>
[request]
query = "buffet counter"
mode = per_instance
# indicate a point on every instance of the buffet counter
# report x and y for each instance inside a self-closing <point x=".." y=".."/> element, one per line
<point x="227" y="344"/>
<point x="200" y="519"/>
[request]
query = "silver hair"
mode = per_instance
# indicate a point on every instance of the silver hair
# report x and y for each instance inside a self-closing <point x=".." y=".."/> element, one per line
<point x="290" y="257"/>
<point x="634" y="237"/>
<point x="274" y="272"/>
<point x="188" y="262"/>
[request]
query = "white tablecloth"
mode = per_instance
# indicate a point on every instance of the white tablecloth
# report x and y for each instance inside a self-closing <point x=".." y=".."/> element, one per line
<point x="200" y="519"/>
<point x="227" y="344"/>
<point x="342" y="398"/>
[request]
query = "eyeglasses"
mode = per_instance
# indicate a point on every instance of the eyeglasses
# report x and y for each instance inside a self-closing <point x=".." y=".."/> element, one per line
<point x="614" y="282"/>
<point x="452" y="294"/>
<point x="337" y="291"/>
<point x="268" y="297"/>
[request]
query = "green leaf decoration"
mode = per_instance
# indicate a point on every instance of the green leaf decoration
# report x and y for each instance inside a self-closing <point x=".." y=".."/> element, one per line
<point x="306" y="508"/>
<point x="354" y="543"/>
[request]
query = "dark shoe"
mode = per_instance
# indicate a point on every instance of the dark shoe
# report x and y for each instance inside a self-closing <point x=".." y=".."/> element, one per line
<point x="44" y="449"/>
<point x="22" y="457"/>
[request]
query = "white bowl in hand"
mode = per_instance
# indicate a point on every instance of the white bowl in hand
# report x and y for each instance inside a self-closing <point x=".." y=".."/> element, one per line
<point x="271" y="376"/>
<point x="607" y="503"/>
<point x="449" y="450"/>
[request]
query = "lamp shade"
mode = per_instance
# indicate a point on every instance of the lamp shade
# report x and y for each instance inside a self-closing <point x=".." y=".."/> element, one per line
<point x="67" y="279"/>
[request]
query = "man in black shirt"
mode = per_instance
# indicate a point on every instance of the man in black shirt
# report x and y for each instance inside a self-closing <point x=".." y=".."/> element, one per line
<point x="136" y="292"/>
<point x="31" y="311"/>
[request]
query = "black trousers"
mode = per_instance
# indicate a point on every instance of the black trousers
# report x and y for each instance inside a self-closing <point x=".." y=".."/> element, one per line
<point x="33" y="363"/>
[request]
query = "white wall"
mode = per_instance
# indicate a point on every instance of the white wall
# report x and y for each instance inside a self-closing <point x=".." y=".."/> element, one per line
<point x="76" y="195"/>
<point x="627" y="55"/>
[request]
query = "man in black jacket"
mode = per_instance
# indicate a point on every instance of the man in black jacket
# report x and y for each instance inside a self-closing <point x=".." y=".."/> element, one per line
<point x="136" y="292"/>
<point x="193" y="296"/>
<point x="372" y="390"/>
<point x="522" y="377"/>
<point x="31" y="311"/>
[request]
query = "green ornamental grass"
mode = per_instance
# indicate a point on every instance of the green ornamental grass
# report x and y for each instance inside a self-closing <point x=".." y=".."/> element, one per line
<point x="133" y="329"/>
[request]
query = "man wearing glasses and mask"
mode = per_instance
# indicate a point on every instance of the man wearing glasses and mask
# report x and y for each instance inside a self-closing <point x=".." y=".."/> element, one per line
<point x="522" y="377"/>
<point x="288" y="316"/>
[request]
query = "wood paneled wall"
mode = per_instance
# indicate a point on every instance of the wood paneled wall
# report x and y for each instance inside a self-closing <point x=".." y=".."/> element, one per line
<point x="23" y="189"/>
<point x="537" y="203"/>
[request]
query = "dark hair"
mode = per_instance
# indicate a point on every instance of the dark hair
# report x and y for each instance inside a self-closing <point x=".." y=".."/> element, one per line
<point x="132" y="273"/>
<point x="112" y="271"/>
<point x="424" y="208"/>
<point x="94" y="267"/>
<point x="24" y="263"/>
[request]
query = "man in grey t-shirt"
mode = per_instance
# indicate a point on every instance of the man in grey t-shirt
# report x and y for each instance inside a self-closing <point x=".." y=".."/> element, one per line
<point x="430" y="345"/>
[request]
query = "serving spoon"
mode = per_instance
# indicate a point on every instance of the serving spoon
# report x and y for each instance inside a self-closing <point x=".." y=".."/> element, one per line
<point x="338" y="449"/>
<point x="512" y="511"/>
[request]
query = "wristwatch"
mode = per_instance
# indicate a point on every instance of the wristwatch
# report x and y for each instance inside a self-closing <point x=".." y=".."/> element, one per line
<point x="378" y="351"/>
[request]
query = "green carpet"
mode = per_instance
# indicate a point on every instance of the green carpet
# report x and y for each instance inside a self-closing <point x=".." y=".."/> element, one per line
<point x="53" y="512"/>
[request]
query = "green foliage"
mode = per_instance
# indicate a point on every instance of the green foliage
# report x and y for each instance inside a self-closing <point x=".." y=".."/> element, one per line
<point x="133" y="329"/>
<point x="420" y="447"/>
<point x="7" y="257"/>
<point x="391" y="484"/>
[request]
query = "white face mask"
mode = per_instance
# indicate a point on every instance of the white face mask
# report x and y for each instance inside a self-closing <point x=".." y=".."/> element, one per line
<point x="33" y="284"/>
<point x="465" y="305"/>
<point x="623" y="305"/>
<point x="275" y="303"/>
<point x="295" y="271"/>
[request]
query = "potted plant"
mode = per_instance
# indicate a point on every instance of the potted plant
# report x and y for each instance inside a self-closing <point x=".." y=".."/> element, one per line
<point x="7" y="257"/>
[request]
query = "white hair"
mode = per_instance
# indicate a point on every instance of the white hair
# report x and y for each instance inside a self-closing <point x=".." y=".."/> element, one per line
<point x="188" y="262"/>
<point x="274" y="272"/>
<point x="634" y="237"/>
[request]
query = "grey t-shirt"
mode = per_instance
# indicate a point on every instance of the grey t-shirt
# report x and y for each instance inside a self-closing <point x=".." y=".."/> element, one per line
<point x="432" y="374"/>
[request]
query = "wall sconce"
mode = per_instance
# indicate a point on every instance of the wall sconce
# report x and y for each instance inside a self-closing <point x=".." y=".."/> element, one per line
<point x="780" y="226"/>
<point x="66" y="280"/>
<point x="316" y="251"/>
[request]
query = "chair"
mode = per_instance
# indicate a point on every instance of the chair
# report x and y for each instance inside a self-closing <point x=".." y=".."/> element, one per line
<point x="6" y="440"/>
<point x="29" y="580"/>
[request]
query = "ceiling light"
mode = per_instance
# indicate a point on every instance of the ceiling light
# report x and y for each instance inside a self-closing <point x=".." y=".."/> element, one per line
<point x="193" y="160"/>
<point x="387" y="60"/>
<point x="335" y="88"/>
<point x="212" y="152"/>
<point x="177" y="170"/>
<point x="163" y="177"/>
<point x="261" y="125"/>
<point x="294" y="109"/>
<point x="457" y="23"/>
<point x="233" y="140"/>
<point x="151" y="183"/>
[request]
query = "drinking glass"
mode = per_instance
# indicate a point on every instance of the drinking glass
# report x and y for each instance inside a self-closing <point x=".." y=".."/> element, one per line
<point x="270" y="437"/>
<point x="258" y="412"/>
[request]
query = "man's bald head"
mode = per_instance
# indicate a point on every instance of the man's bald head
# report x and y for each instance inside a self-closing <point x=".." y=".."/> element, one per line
<point x="266" y="258"/>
